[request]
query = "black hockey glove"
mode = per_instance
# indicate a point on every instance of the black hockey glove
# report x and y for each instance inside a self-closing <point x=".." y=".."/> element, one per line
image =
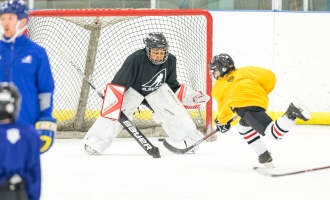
<point x="222" y="128"/>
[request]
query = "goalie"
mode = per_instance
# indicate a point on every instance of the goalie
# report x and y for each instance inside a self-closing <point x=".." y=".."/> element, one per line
<point x="147" y="76"/>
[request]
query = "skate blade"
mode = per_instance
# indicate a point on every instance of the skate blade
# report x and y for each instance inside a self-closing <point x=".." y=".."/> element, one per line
<point x="269" y="165"/>
<point x="304" y="110"/>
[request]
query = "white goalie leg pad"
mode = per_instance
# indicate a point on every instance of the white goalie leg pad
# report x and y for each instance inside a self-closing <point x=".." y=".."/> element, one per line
<point x="193" y="137"/>
<point x="104" y="130"/>
<point x="172" y="115"/>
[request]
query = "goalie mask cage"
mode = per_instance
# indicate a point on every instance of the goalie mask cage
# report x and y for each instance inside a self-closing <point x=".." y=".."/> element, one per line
<point x="99" y="40"/>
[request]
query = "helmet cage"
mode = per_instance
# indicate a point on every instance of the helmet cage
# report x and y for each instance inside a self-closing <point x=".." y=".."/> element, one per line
<point x="156" y="40"/>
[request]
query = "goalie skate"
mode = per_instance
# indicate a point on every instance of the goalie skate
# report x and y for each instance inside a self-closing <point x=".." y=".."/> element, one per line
<point x="298" y="110"/>
<point x="90" y="150"/>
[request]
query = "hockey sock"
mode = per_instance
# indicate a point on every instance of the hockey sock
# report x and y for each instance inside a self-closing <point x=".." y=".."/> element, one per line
<point x="253" y="139"/>
<point x="279" y="128"/>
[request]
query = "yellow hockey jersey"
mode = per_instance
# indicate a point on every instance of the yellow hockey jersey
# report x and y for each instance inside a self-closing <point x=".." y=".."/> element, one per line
<point x="243" y="87"/>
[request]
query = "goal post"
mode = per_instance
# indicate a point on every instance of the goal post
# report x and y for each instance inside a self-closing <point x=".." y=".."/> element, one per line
<point x="99" y="40"/>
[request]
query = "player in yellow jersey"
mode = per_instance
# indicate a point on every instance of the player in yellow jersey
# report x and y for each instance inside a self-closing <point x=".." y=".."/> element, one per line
<point x="244" y="91"/>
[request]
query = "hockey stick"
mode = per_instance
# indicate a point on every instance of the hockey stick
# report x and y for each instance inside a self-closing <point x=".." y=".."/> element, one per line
<point x="183" y="151"/>
<point x="264" y="172"/>
<point x="123" y="120"/>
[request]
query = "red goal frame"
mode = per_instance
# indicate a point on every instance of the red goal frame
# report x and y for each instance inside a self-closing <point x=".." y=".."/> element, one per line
<point x="149" y="12"/>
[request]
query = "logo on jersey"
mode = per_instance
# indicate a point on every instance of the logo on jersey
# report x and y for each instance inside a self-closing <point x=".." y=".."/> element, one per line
<point x="27" y="59"/>
<point x="230" y="79"/>
<point x="155" y="82"/>
<point x="13" y="135"/>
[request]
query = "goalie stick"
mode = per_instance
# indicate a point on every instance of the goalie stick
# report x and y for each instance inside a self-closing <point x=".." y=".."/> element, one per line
<point x="183" y="151"/>
<point x="123" y="120"/>
<point x="266" y="173"/>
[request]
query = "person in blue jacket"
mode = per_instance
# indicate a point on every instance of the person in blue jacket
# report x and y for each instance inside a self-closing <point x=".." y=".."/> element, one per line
<point x="25" y="63"/>
<point x="20" y="173"/>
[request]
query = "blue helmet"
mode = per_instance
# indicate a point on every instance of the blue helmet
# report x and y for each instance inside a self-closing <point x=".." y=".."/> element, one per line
<point x="17" y="7"/>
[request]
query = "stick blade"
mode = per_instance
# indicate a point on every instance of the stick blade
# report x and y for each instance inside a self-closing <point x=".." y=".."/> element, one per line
<point x="176" y="150"/>
<point x="155" y="153"/>
<point x="263" y="171"/>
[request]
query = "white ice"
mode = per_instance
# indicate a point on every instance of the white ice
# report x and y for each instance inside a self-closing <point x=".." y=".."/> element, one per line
<point x="221" y="170"/>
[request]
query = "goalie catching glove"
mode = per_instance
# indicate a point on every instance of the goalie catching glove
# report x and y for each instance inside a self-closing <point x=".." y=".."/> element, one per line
<point x="222" y="128"/>
<point x="190" y="98"/>
<point x="46" y="128"/>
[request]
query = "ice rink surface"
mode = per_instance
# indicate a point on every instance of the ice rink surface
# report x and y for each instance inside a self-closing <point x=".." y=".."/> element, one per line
<point x="221" y="170"/>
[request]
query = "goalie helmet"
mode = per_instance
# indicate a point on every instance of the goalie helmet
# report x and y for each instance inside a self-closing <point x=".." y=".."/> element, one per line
<point x="10" y="101"/>
<point x="223" y="63"/>
<point x="156" y="41"/>
<point x="17" y="7"/>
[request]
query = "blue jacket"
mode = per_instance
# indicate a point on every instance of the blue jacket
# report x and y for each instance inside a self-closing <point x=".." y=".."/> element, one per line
<point x="20" y="154"/>
<point x="26" y="64"/>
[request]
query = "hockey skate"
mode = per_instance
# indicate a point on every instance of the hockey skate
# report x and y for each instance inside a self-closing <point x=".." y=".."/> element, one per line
<point x="298" y="110"/>
<point x="90" y="150"/>
<point x="266" y="160"/>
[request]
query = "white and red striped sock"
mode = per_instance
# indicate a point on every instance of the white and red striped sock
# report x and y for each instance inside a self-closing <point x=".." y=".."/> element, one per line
<point x="253" y="139"/>
<point x="279" y="128"/>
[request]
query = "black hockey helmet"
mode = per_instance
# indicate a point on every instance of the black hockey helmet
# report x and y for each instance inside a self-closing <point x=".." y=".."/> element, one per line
<point x="223" y="63"/>
<point x="156" y="40"/>
<point x="10" y="101"/>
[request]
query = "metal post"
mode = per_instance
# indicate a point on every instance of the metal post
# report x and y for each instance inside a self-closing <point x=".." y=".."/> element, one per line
<point x="31" y="2"/>
<point x="305" y="5"/>
<point x="152" y="4"/>
<point x="277" y="5"/>
<point x="79" y="120"/>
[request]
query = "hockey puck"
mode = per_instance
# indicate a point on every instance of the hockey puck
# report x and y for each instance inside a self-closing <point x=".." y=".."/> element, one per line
<point x="161" y="139"/>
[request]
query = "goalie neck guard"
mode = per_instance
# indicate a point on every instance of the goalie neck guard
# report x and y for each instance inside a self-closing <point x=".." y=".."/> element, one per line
<point x="156" y="41"/>
<point x="10" y="101"/>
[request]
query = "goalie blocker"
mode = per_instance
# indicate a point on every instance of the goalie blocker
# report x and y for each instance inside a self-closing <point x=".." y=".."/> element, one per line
<point x="112" y="101"/>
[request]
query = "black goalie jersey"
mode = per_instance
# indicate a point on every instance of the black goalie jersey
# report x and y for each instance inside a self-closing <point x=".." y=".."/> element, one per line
<point x="143" y="76"/>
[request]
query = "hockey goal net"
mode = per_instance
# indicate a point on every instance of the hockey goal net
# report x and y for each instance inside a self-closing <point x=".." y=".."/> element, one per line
<point x="98" y="41"/>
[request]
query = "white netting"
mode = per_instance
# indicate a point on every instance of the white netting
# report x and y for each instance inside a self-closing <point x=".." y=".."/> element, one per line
<point x="99" y="46"/>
